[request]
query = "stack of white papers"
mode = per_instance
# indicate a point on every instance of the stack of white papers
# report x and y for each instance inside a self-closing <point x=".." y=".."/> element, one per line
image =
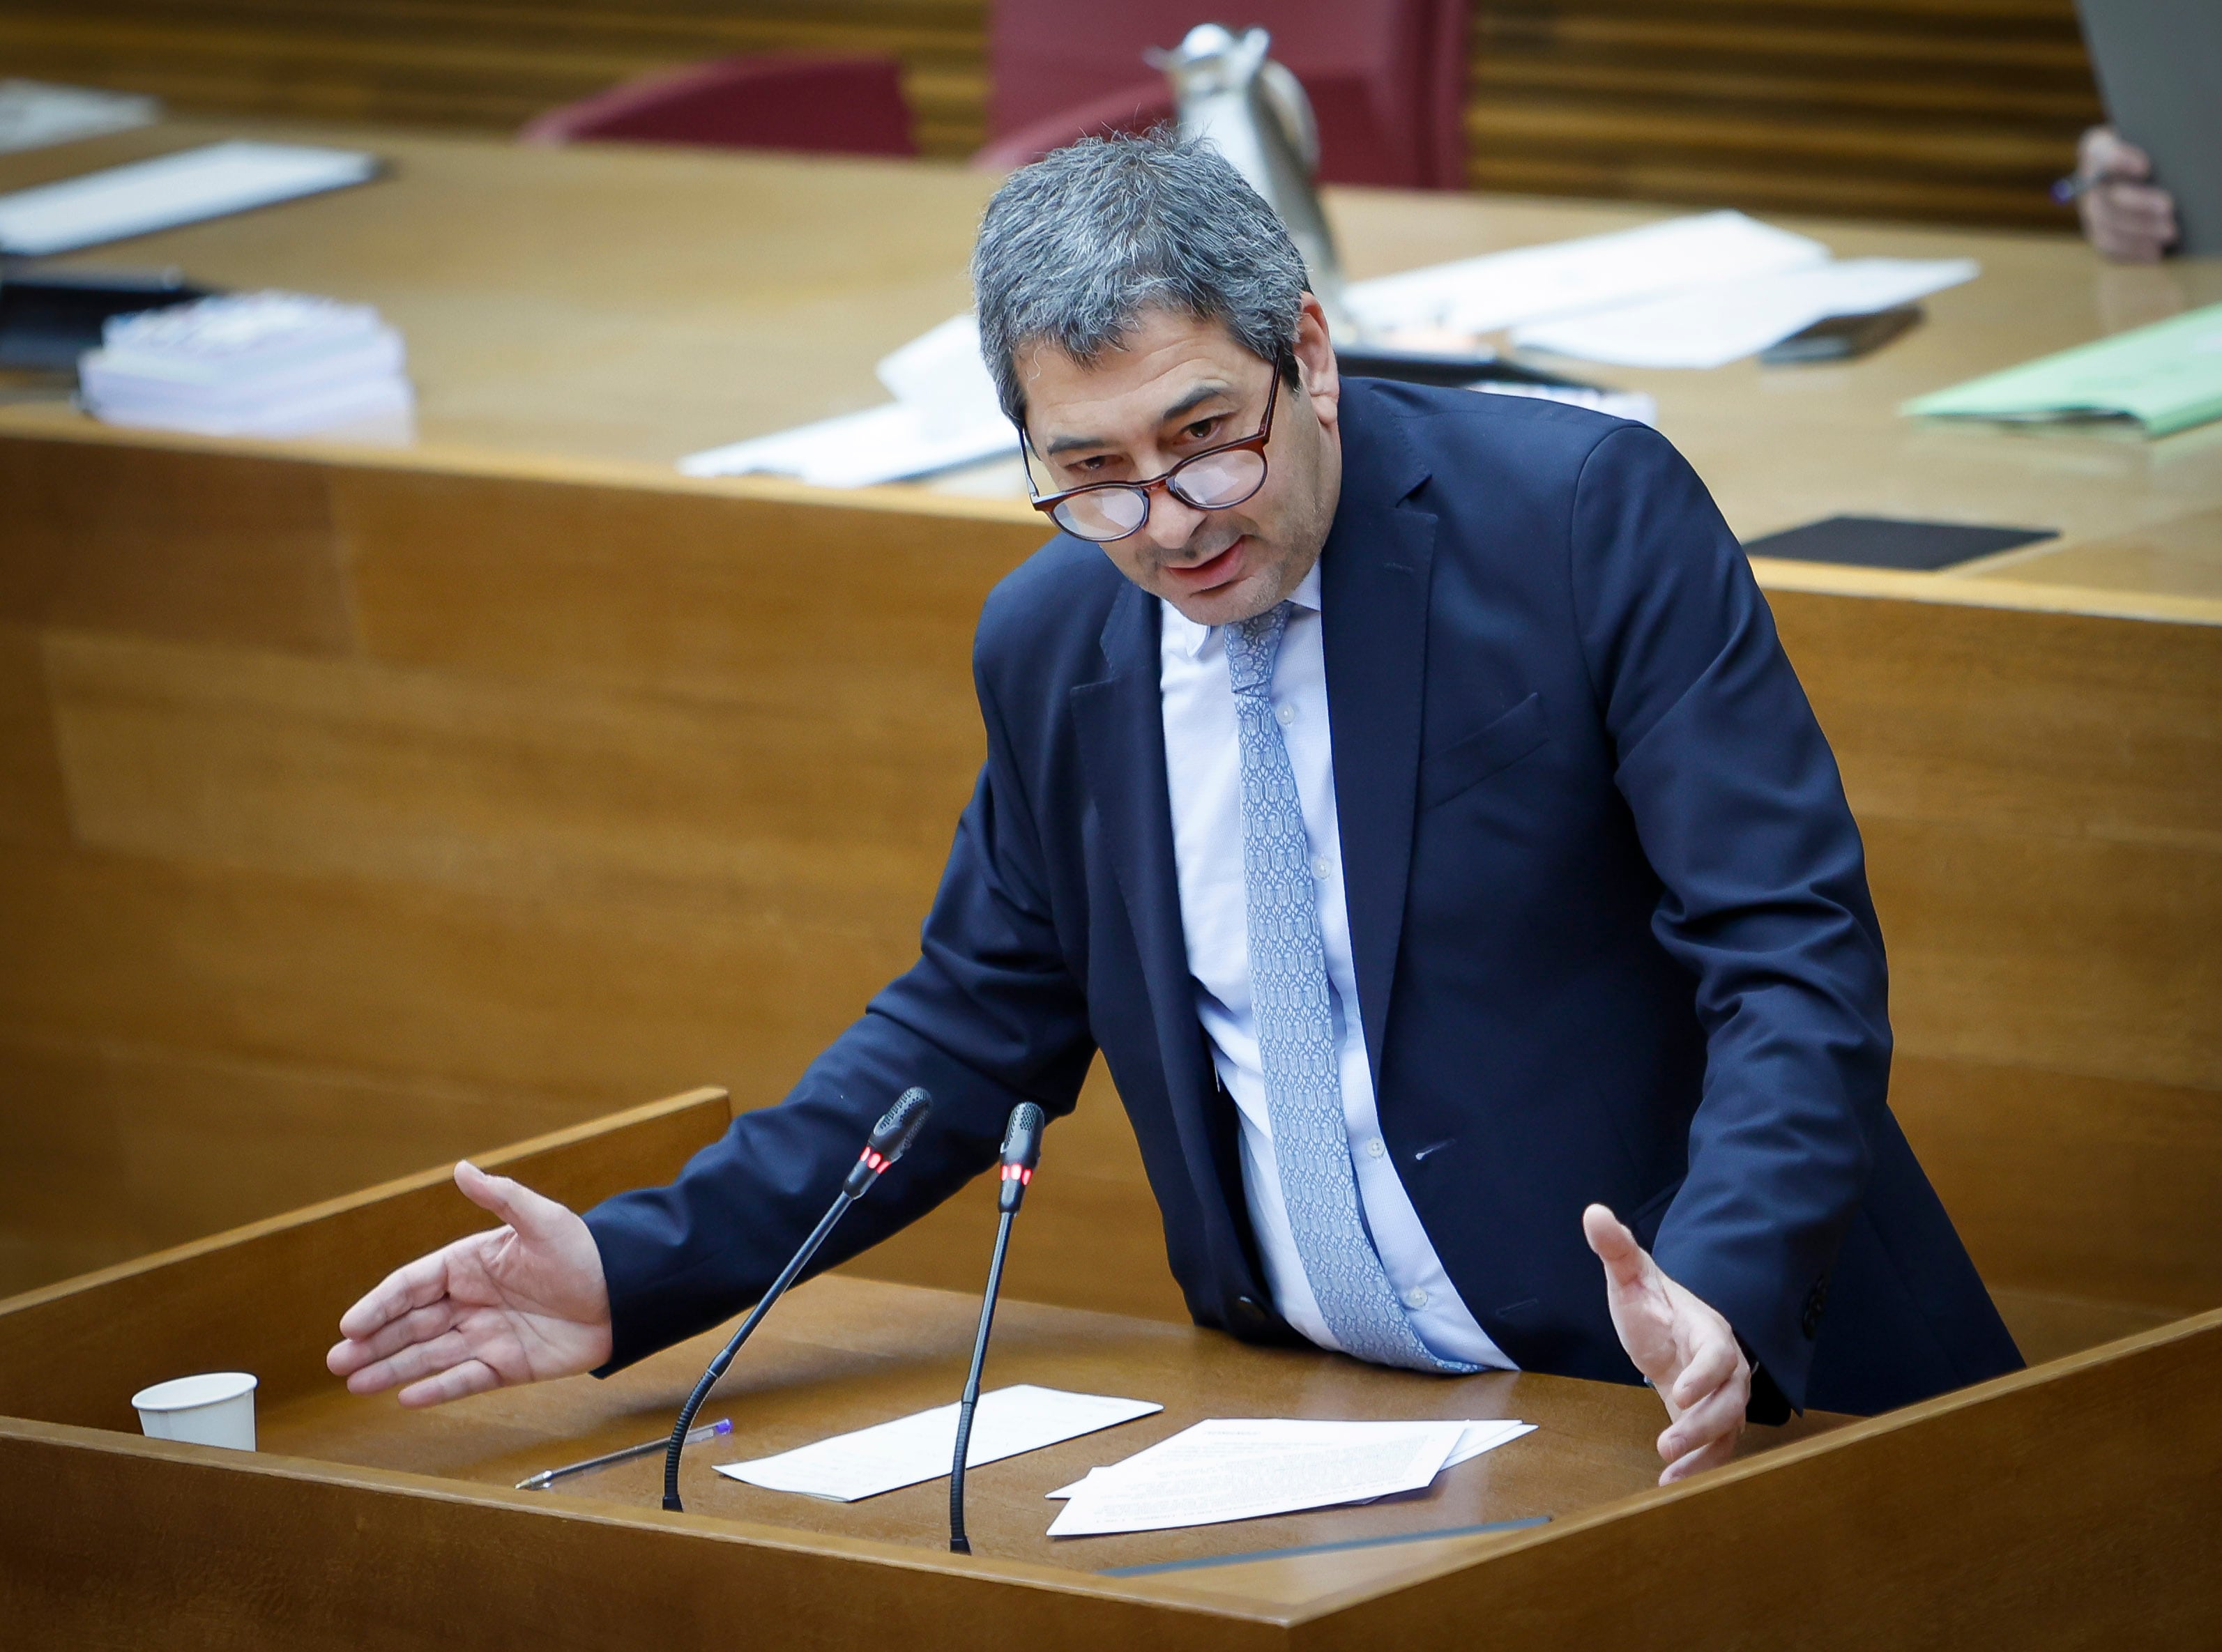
<point x="1243" y="1468"/>
<point x="1570" y="278"/>
<point x="1689" y="293"/>
<point x="184" y="188"/>
<point x="1007" y="1422"/>
<point x="1713" y="325"/>
<point x="1639" y="405"/>
<point x="34" y="114"/>
<point x="269" y="363"/>
<point x="944" y="415"/>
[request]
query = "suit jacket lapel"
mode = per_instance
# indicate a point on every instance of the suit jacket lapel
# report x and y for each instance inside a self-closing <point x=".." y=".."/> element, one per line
<point x="1373" y="601"/>
<point x="1121" y="725"/>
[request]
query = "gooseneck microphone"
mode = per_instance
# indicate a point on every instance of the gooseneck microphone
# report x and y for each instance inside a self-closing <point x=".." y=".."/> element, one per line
<point x="897" y="1128"/>
<point x="1022" y="1140"/>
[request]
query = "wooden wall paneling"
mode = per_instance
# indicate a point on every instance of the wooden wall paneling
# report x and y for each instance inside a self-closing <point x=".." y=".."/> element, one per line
<point x="494" y="64"/>
<point x="108" y="1152"/>
<point x="223" y="760"/>
<point x="1904" y="108"/>
<point x="2063" y="725"/>
<point x="570" y="792"/>
<point x="2100" y="1189"/>
<point x="849" y="610"/>
<point x="2041" y="795"/>
<point x="155" y="788"/>
<point x="33" y="805"/>
<point x="590" y="1003"/>
<point x="1963" y="109"/>
<point x="170" y="1312"/>
<point x="269" y="836"/>
<point x="197" y="546"/>
<point x="2075" y="955"/>
<point x="64" y="1208"/>
<point x="2049" y="1325"/>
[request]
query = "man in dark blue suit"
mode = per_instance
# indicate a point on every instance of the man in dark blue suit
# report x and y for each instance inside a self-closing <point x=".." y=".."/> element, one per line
<point x="1407" y="793"/>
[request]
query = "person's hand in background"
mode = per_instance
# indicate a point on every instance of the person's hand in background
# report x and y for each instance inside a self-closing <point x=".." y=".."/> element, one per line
<point x="2126" y="217"/>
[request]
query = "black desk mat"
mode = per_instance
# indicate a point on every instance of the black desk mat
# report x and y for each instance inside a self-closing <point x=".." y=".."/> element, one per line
<point x="1890" y="542"/>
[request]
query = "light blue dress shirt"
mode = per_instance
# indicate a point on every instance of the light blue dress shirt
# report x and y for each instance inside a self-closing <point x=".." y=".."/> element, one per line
<point x="1203" y="768"/>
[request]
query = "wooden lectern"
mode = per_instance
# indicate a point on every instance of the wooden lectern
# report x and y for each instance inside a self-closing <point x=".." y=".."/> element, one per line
<point x="2072" y="1505"/>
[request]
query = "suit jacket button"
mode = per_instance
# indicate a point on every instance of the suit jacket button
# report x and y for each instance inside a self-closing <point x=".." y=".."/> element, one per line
<point x="1816" y="1299"/>
<point x="1247" y="1316"/>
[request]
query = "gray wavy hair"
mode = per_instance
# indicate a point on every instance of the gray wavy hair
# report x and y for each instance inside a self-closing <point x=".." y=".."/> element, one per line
<point x="1076" y="246"/>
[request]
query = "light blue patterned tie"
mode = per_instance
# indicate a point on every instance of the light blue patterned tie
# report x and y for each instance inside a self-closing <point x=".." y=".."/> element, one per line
<point x="1296" y="1027"/>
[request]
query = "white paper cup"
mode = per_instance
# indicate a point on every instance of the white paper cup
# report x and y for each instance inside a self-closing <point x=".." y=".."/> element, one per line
<point x="217" y="1408"/>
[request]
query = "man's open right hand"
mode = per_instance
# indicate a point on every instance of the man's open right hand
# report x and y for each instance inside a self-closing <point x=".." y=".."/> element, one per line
<point x="522" y="1303"/>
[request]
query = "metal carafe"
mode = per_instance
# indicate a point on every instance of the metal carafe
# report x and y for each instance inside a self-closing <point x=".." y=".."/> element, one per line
<point x="1254" y="112"/>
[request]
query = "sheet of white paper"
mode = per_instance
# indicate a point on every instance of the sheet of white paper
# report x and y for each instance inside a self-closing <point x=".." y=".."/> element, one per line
<point x="892" y="443"/>
<point x="1639" y="405"/>
<point x="1710" y="326"/>
<point x="1479" y="1437"/>
<point x="1242" y="1469"/>
<point x="917" y="1448"/>
<point x="1485" y="1436"/>
<point x="34" y="114"/>
<point x="1480" y="294"/>
<point x="944" y="415"/>
<point x="160" y="194"/>
<point x="942" y="369"/>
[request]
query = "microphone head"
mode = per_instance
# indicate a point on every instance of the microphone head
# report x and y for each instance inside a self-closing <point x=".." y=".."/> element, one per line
<point x="900" y="1125"/>
<point x="1022" y="1136"/>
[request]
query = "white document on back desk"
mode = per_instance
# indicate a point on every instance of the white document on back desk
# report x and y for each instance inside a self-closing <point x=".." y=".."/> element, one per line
<point x="1232" y="1468"/>
<point x="944" y="415"/>
<point x="919" y="1447"/>
<point x="210" y="182"/>
<point x="1572" y="277"/>
<point x="1711" y="326"/>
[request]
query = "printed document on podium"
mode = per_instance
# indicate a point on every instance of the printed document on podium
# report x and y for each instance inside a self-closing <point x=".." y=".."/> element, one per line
<point x="1479" y="1437"/>
<point x="1243" y="1468"/>
<point x="883" y="1458"/>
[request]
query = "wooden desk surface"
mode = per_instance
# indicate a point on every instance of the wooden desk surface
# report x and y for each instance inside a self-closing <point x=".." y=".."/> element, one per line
<point x="842" y="1354"/>
<point x="616" y="308"/>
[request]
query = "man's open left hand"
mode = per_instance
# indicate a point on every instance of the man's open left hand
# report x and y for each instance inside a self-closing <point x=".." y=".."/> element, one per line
<point x="1683" y="1348"/>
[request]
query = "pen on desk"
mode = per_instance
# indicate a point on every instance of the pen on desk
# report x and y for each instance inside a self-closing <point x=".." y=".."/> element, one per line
<point x="548" y="1477"/>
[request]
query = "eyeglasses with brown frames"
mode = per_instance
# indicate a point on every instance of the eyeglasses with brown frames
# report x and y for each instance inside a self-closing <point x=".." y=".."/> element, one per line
<point x="1214" y="480"/>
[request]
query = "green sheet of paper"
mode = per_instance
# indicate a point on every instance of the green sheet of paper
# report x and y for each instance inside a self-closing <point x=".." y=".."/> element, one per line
<point x="2166" y="377"/>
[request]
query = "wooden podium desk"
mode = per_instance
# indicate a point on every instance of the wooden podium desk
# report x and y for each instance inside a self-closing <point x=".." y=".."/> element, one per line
<point x="2064" y="1506"/>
